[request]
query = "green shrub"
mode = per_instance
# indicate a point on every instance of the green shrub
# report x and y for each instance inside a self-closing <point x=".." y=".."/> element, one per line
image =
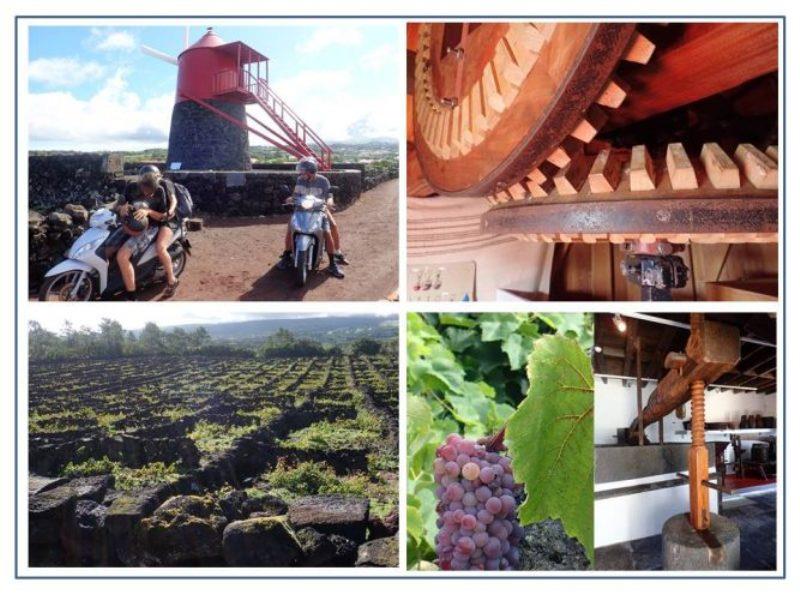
<point x="211" y="438"/>
<point x="312" y="478"/>
<point x="125" y="478"/>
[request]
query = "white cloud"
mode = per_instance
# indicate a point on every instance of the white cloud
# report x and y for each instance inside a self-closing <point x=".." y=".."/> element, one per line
<point x="324" y="37"/>
<point x="381" y="57"/>
<point x="340" y="114"/>
<point x="114" y="118"/>
<point x="111" y="40"/>
<point x="64" y="72"/>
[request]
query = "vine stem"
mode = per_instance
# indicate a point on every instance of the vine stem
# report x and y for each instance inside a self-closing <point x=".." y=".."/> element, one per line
<point x="494" y="443"/>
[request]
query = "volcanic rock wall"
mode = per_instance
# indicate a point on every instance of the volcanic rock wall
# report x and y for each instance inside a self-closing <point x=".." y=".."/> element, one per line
<point x="72" y="178"/>
<point x="256" y="192"/>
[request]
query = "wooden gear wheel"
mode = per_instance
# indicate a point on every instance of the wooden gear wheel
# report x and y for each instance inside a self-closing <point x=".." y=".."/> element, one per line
<point x="506" y="111"/>
<point x="494" y="101"/>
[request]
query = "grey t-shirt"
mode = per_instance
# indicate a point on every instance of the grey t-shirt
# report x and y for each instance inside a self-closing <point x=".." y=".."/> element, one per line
<point x="319" y="187"/>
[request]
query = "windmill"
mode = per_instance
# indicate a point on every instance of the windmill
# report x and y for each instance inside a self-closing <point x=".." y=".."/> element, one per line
<point x="210" y="122"/>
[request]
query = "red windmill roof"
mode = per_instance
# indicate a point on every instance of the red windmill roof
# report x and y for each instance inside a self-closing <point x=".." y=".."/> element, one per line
<point x="211" y="40"/>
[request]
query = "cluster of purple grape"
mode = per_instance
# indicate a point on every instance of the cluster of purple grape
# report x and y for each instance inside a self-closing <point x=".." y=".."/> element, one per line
<point x="478" y="526"/>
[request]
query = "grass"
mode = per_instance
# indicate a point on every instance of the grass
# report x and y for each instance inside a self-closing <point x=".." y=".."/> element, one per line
<point x="211" y="438"/>
<point x="264" y="415"/>
<point x="361" y="432"/>
<point x="313" y="478"/>
<point x="125" y="478"/>
<point x="176" y="414"/>
<point x="60" y="421"/>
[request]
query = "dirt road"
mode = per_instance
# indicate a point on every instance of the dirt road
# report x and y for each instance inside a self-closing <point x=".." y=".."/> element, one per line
<point x="235" y="258"/>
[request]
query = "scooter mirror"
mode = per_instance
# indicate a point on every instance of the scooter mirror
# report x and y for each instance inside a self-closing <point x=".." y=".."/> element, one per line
<point x="285" y="191"/>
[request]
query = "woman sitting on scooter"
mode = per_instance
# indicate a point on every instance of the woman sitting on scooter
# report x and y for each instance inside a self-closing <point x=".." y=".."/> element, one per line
<point x="310" y="183"/>
<point x="150" y="200"/>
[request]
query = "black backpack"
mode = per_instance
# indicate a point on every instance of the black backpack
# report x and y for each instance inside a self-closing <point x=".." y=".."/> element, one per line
<point x="184" y="204"/>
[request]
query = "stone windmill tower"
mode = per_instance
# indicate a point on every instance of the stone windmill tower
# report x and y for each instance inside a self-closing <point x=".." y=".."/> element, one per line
<point x="210" y="122"/>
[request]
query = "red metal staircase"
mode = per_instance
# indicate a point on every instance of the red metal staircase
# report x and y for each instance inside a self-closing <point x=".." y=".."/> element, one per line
<point x="288" y="132"/>
<point x="297" y="133"/>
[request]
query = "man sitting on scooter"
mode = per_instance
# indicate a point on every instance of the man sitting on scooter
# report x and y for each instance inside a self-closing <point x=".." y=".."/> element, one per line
<point x="156" y="205"/>
<point x="309" y="182"/>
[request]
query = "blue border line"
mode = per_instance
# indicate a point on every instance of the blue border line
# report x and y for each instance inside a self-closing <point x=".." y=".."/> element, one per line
<point x="412" y="18"/>
<point x="16" y="296"/>
<point x="783" y="301"/>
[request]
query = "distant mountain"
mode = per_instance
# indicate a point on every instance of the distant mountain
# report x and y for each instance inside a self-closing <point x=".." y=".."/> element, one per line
<point x="326" y="329"/>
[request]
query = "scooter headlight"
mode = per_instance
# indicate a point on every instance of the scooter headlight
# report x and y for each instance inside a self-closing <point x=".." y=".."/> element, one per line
<point x="87" y="247"/>
<point x="307" y="203"/>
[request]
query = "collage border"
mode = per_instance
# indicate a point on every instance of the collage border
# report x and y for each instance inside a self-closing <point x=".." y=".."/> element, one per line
<point x="403" y="307"/>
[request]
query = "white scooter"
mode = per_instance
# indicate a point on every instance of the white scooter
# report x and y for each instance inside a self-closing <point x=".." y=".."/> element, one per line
<point x="90" y="271"/>
<point x="308" y="235"/>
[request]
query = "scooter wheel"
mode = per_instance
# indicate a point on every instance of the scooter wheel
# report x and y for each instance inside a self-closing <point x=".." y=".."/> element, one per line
<point x="59" y="288"/>
<point x="301" y="272"/>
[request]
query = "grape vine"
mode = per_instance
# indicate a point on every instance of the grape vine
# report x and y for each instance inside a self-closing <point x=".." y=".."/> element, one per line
<point x="469" y="375"/>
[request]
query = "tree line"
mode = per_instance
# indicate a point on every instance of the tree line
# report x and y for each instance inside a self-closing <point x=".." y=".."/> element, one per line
<point x="110" y="340"/>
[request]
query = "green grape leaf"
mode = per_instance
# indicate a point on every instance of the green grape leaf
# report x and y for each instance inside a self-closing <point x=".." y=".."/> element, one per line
<point x="518" y="348"/>
<point x="457" y="320"/>
<point x="419" y="413"/>
<point x="438" y="371"/>
<point x="498" y="326"/>
<point x="550" y="439"/>
<point x="460" y="339"/>
<point x="414" y="526"/>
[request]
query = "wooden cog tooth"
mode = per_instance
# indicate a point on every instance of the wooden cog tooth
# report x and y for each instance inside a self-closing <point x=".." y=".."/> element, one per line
<point x="640" y="50"/>
<point x="722" y="172"/>
<point x="477" y="110"/>
<point x="536" y="176"/>
<point x="564" y="153"/>
<point x="758" y="168"/>
<point x="679" y="168"/>
<point x="678" y="239"/>
<point x="518" y="191"/>
<point x="618" y="238"/>
<point x="772" y="152"/>
<point x="527" y="36"/>
<point x="538" y="184"/>
<point x="642" y="172"/>
<point x="546" y="28"/>
<point x="614" y="93"/>
<point x="515" y="65"/>
<point x="606" y="172"/>
<point x="592" y="123"/>
<point x="571" y="178"/>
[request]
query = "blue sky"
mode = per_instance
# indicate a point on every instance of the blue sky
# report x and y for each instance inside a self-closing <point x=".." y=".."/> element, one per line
<point x="91" y="88"/>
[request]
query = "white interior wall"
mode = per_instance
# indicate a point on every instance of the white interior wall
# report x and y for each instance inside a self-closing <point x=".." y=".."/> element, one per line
<point x="523" y="266"/>
<point x="636" y="516"/>
<point x="517" y="266"/>
<point x="615" y="406"/>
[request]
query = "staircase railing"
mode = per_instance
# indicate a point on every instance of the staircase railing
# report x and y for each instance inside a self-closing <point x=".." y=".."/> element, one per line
<point x="292" y="125"/>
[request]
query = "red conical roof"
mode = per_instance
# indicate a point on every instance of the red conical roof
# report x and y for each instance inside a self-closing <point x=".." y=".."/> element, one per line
<point x="209" y="40"/>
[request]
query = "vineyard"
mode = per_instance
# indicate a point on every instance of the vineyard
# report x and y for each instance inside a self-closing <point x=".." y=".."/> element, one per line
<point x="214" y="461"/>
